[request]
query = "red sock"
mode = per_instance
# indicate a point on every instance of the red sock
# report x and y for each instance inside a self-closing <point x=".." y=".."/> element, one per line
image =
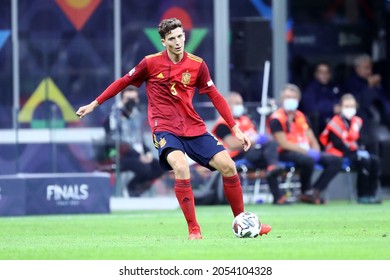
<point x="185" y="197"/>
<point x="233" y="193"/>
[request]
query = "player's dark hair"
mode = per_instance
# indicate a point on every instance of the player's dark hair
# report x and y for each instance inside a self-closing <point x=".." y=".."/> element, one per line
<point x="167" y="25"/>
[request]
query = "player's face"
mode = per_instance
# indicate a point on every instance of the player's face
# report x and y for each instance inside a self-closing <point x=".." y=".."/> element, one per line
<point x="174" y="41"/>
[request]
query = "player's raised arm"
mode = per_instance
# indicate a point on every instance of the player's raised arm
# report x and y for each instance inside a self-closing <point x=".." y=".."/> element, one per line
<point x="135" y="77"/>
<point x="85" y="110"/>
<point x="109" y="92"/>
<point x="223" y="109"/>
<point x="207" y="86"/>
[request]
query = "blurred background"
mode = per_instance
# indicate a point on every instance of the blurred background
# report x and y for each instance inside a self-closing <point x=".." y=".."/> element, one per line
<point x="56" y="56"/>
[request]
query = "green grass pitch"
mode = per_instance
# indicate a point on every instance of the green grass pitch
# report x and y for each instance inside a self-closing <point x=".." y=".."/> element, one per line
<point x="337" y="231"/>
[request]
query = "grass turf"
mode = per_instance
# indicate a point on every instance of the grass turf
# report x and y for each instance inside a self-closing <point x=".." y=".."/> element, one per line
<point x="337" y="231"/>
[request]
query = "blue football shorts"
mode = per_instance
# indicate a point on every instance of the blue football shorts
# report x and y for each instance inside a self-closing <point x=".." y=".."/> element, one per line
<point x="200" y="148"/>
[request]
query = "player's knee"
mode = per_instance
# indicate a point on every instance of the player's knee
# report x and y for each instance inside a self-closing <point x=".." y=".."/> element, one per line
<point x="227" y="168"/>
<point x="181" y="170"/>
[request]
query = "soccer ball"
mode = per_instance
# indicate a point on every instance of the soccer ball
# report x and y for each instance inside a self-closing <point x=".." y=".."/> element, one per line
<point x="246" y="225"/>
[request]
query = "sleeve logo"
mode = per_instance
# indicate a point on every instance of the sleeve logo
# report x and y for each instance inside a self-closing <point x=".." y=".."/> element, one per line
<point x="210" y="83"/>
<point x="131" y="72"/>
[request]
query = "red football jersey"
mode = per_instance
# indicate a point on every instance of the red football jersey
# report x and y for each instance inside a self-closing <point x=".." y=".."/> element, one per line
<point x="170" y="88"/>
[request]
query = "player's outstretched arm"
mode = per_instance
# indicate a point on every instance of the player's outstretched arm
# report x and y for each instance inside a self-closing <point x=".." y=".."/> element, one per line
<point x="246" y="142"/>
<point x="223" y="109"/>
<point x="85" y="110"/>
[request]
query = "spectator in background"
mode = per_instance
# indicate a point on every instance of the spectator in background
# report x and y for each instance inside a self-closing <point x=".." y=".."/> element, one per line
<point x="126" y="122"/>
<point x="341" y="138"/>
<point x="320" y="98"/>
<point x="366" y="86"/>
<point x="264" y="151"/>
<point x="298" y="144"/>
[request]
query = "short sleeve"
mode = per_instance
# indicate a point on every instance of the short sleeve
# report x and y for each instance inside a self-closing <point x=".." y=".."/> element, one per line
<point x="275" y="126"/>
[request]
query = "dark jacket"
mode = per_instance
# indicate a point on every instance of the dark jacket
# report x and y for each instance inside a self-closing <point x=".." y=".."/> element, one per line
<point x="318" y="101"/>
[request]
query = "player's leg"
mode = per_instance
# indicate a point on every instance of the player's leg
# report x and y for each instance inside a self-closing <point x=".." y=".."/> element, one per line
<point x="231" y="181"/>
<point x="208" y="152"/>
<point x="172" y="157"/>
<point x="183" y="191"/>
<point x="232" y="185"/>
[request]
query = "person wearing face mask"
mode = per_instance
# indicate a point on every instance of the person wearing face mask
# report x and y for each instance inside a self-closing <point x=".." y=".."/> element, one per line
<point x="298" y="144"/>
<point x="263" y="152"/>
<point x="126" y="122"/>
<point x="341" y="137"/>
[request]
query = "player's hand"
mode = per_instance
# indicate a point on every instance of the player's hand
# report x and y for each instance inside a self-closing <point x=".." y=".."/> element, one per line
<point x="85" y="110"/>
<point x="246" y="142"/>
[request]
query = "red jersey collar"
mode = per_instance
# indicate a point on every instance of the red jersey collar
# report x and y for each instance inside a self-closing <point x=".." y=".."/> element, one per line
<point x="165" y="55"/>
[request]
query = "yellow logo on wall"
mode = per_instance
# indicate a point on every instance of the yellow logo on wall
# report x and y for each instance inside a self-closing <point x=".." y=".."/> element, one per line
<point x="47" y="90"/>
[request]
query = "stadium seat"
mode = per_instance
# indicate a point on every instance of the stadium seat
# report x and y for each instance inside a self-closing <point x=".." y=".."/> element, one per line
<point x="346" y="167"/>
<point x="253" y="179"/>
<point x="290" y="184"/>
<point x="247" y="169"/>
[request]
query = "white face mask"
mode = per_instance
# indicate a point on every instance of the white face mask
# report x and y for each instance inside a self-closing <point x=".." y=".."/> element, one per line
<point x="349" y="113"/>
<point x="238" y="110"/>
<point x="290" y="104"/>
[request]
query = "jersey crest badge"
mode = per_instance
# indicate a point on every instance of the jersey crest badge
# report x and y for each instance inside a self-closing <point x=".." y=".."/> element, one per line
<point x="185" y="78"/>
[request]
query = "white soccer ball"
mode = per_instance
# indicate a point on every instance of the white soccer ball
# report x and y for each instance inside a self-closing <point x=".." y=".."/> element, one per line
<point x="246" y="225"/>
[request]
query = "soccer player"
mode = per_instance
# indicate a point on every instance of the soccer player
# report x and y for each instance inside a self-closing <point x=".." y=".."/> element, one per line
<point x="171" y="78"/>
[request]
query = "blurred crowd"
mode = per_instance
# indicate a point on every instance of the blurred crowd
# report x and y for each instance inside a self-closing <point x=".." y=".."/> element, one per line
<point x="325" y="125"/>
